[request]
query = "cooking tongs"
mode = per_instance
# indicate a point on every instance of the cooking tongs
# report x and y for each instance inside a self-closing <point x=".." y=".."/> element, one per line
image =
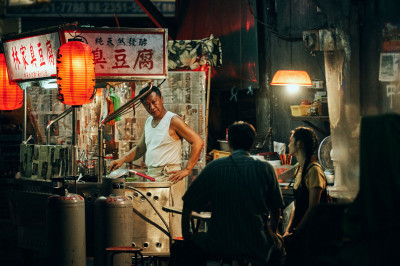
<point x="121" y="172"/>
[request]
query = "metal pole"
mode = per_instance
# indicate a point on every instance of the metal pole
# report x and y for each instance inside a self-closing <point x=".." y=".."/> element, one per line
<point x="101" y="161"/>
<point x="60" y="116"/>
<point x="74" y="141"/>
<point x="25" y="116"/>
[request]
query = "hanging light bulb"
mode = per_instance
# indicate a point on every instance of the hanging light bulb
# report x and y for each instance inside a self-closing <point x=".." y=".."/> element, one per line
<point x="291" y="77"/>
<point x="292" y="89"/>
<point x="75" y="73"/>
<point x="11" y="96"/>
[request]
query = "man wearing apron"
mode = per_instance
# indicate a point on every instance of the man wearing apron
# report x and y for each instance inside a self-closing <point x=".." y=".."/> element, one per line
<point x="162" y="146"/>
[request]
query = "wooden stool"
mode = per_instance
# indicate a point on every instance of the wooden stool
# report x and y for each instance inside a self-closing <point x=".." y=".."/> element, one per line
<point x="117" y="250"/>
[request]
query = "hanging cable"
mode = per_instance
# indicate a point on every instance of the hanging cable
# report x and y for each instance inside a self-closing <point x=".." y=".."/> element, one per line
<point x="271" y="29"/>
<point x="154" y="208"/>
<point x="130" y="110"/>
<point x="279" y="35"/>
<point x="290" y="31"/>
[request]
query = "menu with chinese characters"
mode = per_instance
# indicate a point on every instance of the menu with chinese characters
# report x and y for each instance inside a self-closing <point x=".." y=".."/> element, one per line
<point x="32" y="57"/>
<point x="126" y="53"/>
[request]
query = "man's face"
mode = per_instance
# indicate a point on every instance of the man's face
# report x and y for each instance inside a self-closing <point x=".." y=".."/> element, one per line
<point x="154" y="105"/>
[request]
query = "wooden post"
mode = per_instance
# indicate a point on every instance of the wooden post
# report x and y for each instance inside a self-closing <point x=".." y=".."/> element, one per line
<point x="207" y="107"/>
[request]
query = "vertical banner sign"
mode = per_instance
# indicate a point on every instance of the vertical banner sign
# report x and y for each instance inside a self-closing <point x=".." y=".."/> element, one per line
<point x="32" y="57"/>
<point x="126" y="53"/>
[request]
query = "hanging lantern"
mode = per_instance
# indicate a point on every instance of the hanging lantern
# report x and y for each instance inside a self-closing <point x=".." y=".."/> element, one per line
<point x="291" y="77"/>
<point x="75" y="73"/>
<point x="11" y="96"/>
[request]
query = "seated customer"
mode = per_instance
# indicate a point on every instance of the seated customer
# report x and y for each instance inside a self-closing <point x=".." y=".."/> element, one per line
<point x="240" y="192"/>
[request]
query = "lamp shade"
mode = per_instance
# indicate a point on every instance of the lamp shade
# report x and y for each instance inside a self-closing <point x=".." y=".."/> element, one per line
<point x="11" y="96"/>
<point x="291" y="77"/>
<point x="75" y="73"/>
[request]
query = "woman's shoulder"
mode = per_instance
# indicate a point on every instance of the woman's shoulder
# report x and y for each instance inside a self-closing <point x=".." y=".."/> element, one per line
<point x="315" y="176"/>
<point x="315" y="167"/>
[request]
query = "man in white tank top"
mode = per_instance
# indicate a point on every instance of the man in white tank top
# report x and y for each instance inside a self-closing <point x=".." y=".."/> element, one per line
<point x="161" y="142"/>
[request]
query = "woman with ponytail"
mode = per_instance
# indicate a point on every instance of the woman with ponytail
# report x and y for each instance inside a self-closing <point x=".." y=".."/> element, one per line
<point x="309" y="185"/>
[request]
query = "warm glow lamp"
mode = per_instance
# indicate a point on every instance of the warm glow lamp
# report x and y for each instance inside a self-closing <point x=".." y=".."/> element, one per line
<point x="11" y="96"/>
<point x="291" y="77"/>
<point x="75" y="73"/>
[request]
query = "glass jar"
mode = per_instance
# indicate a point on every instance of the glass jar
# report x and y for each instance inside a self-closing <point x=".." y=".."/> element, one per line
<point x="107" y="162"/>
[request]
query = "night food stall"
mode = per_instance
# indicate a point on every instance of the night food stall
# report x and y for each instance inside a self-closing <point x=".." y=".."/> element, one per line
<point x="78" y="142"/>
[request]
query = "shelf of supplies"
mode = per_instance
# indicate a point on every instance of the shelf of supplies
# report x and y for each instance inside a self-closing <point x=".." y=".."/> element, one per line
<point x="311" y="118"/>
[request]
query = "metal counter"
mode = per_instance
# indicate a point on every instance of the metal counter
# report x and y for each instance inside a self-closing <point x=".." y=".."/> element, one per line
<point x="28" y="201"/>
<point x="149" y="230"/>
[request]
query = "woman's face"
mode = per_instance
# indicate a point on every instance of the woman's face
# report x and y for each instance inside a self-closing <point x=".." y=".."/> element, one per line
<point x="293" y="147"/>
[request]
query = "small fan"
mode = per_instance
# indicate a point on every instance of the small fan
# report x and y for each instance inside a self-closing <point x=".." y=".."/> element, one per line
<point x="324" y="154"/>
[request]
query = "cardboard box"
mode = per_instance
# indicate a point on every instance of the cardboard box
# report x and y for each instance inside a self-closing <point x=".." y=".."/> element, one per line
<point x="300" y="110"/>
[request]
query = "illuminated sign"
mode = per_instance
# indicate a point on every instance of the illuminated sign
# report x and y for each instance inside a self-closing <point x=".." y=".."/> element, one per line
<point x="32" y="57"/>
<point x="25" y="3"/>
<point x="124" y="53"/>
<point x="119" y="53"/>
<point x="94" y="8"/>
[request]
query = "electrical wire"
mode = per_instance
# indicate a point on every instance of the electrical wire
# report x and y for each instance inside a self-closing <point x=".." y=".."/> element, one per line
<point x="138" y="103"/>
<point x="75" y="37"/>
<point x="279" y="35"/>
<point x="272" y="30"/>
<point x="162" y="219"/>
<point x="130" y="109"/>
<point x="159" y="85"/>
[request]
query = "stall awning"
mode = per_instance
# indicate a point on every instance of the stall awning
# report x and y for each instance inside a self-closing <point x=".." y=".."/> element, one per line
<point x="194" y="54"/>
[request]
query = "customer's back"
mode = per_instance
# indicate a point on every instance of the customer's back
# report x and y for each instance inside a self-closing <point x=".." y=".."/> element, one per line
<point x="240" y="191"/>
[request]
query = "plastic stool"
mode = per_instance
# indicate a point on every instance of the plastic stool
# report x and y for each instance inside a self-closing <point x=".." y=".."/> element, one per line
<point x="117" y="250"/>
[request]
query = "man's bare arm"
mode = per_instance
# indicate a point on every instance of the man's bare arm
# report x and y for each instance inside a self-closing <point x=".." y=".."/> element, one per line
<point x="135" y="153"/>
<point x="196" y="142"/>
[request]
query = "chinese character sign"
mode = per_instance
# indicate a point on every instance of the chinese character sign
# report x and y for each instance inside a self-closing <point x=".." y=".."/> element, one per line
<point x="32" y="57"/>
<point x="119" y="54"/>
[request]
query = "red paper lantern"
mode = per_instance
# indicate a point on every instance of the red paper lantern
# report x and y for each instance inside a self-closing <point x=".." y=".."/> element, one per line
<point x="11" y="96"/>
<point x="75" y="73"/>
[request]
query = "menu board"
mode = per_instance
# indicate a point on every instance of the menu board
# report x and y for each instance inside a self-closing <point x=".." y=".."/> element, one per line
<point x="32" y="57"/>
<point x="130" y="53"/>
